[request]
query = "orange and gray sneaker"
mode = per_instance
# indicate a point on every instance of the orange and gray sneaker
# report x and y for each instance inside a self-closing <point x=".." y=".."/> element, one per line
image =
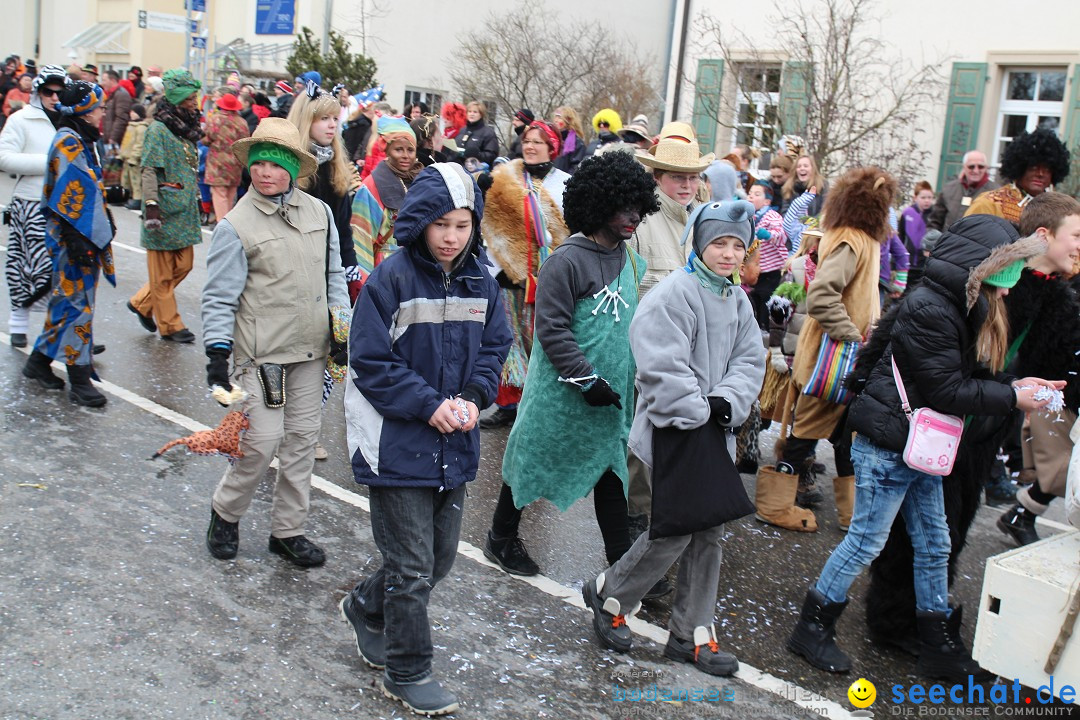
<point x="703" y="652"/>
<point x="609" y="622"/>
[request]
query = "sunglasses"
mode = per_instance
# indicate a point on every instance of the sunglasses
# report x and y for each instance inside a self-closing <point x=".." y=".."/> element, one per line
<point x="975" y="167"/>
<point x="47" y="92"/>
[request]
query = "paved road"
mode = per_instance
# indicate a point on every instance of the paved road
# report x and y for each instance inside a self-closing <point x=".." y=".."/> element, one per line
<point x="110" y="606"/>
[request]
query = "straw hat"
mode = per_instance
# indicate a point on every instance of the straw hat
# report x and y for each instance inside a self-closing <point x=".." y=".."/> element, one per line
<point x="281" y="132"/>
<point x="676" y="151"/>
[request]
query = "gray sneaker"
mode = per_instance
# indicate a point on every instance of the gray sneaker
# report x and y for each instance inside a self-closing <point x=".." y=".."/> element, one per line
<point x="426" y="697"/>
<point x="370" y="643"/>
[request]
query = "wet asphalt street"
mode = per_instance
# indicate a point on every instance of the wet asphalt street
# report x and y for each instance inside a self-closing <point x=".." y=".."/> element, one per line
<point x="111" y="607"/>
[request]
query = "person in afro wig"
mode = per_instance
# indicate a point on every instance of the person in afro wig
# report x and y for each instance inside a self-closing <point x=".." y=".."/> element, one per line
<point x="576" y="408"/>
<point x="1033" y="162"/>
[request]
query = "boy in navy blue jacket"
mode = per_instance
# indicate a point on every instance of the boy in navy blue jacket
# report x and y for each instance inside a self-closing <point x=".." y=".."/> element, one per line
<point x="427" y="345"/>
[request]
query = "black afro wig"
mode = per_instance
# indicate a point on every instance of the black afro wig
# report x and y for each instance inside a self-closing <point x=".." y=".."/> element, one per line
<point x="604" y="185"/>
<point x="1041" y="147"/>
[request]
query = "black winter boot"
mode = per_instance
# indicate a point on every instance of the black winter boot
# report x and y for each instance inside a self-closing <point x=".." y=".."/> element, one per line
<point x="1019" y="523"/>
<point x="82" y="391"/>
<point x="814" y="636"/>
<point x="942" y="655"/>
<point x="38" y="368"/>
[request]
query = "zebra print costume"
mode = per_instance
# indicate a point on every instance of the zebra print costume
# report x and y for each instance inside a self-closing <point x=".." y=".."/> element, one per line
<point x="28" y="268"/>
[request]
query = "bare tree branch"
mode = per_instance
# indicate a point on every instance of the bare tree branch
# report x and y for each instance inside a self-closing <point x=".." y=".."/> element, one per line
<point x="525" y="58"/>
<point x="866" y="104"/>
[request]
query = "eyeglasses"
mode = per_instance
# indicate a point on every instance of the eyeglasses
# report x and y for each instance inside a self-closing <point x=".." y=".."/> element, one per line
<point x="975" y="167"/>
<point x="47" y="92"/>
<point x="683" y="179"/>
<point x="533" y="142"/>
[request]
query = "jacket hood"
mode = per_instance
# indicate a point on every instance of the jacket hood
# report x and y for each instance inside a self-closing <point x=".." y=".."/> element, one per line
<point x="962" y="248"/>
<point x="437" y="190"/>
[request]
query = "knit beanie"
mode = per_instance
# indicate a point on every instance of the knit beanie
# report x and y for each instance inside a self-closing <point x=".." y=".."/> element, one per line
<point x="1006" y="277"/>
<point x="733" y="218"/>
<point x="179" y="85"/>
<point x="80" y="98"/>
<point x="272" y="152"/>
<point x="525" y="115"/>
<point x="391" y="127"/>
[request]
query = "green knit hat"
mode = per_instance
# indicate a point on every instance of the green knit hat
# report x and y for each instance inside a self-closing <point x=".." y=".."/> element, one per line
<point x="272" y="152"/>
<point x="1008" y="276"/>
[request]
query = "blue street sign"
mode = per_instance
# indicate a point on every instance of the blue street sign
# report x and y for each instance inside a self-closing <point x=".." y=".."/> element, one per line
<point x="196" y="5"/>
<point x="198" y="42"/>
<point x="275" y="17"/>
<point x="194" y="27"/>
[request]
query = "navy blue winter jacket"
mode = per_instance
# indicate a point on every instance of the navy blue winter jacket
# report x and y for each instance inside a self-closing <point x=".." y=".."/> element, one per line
<point x="418" y="337"/>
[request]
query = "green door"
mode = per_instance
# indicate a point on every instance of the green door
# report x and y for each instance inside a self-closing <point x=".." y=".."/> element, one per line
<point x="710" y="76"/>
<point x="962" y="118"/>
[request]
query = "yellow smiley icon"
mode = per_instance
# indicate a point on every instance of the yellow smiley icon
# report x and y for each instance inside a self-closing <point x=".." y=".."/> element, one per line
<point x="862" y="693"/>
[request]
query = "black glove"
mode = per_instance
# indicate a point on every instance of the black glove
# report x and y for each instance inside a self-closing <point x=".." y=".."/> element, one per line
<point x="505" y="282"/>
<point x="217" y="370"/>
<point x="720" y="411"/>
<point x="600" y="394"/>
<point x="339" y="352"/>
<point x="483" y="181"/>
<point x="151" y="217"/>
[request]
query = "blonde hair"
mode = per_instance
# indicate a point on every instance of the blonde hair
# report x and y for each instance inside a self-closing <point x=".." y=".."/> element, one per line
<point x="570" y="117"/>
<point x="479" y="106"/>
<point x="303" y="113"/>
<point x="816" y="180"/>
<point x="993" y="338"/>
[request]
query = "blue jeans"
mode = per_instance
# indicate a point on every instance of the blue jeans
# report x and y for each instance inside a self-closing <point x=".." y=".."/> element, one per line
<point x="416" y="531"/>
<point x="885" y="486"/>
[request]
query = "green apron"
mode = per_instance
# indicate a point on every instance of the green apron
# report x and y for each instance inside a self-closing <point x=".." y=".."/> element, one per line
<point x="560" y="445"/>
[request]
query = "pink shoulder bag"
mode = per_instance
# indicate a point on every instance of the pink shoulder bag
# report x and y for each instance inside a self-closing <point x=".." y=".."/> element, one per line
<point x="933" y="437"/>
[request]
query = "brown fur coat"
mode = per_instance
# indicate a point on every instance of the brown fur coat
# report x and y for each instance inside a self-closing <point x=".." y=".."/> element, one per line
<point x="503" y="226"/>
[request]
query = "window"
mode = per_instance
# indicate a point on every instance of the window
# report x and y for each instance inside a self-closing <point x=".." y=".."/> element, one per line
<point x="1031" y="98"/>
<point x="431" y="98"/>
<point x="757" y="106"/>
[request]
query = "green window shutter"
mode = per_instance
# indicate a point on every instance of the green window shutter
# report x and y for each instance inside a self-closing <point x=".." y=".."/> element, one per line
<point x="794" y="97"/>
<point x="710" y="75"/>
<point x="1071" y="184"/>
<point x="962" y="118"/>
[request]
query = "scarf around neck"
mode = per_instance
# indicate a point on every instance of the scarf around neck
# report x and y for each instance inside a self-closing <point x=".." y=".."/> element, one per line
<point x="184" y="124"/>
<point x="322" y="153"/>
<point x="539" y="170"/>
<point x="392" y="183"/>
<point x="709" y="280"/>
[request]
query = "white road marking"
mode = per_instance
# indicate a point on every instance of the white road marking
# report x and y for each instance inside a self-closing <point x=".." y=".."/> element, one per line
<point x="782" y="689"/>
<point x="129" y="247"/>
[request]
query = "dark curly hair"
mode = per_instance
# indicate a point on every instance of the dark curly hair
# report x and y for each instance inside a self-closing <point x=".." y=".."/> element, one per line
<point x="604" y="185"/>
<point x="1041" y="147"/>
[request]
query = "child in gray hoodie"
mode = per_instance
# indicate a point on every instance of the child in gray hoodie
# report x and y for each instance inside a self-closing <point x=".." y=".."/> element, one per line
<point x="700" y="359"/>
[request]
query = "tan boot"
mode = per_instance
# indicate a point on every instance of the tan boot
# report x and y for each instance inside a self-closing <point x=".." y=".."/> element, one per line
<point x="844" y="493"/>
<point x="775" y="500"/>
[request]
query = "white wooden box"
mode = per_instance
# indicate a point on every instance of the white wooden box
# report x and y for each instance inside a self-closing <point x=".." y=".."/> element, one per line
<point x="1025" y="598"/>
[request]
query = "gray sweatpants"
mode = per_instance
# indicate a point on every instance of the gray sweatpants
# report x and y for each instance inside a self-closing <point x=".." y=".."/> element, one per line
<point x="630" y="578"/>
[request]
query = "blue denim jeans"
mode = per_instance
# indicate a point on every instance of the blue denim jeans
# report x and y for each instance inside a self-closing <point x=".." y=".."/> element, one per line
<point x="416" y="531"/>
<point x="885" y="486"/>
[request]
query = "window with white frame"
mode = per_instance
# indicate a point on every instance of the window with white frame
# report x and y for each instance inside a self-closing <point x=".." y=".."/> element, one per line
<point x="431" y="98"/>
<point x="1031" y="98"/>
<point x="757" y="107"/>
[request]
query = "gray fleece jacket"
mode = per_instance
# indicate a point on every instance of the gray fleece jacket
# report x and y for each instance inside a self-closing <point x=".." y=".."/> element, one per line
<point x="577" y="269"/>
<point x="689" y="344"/>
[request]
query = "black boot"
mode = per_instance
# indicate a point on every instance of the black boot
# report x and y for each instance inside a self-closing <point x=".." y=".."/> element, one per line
<point x="222" y="537"/>
<point x="942" y="655"/>
<point x="1019" y="523"/>
<point x="38" y="368"/>
<point x="809" y="495"/>
<point x="82" y="391"/>
<point x="815" y="634"/>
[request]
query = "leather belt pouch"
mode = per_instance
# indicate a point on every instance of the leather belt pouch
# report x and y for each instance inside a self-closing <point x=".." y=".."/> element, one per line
<point x="272" y="380"/>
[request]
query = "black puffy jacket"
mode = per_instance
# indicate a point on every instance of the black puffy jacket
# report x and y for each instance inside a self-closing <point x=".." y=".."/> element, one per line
<point x="479" y="141"/>
<point x="932" y="335"/>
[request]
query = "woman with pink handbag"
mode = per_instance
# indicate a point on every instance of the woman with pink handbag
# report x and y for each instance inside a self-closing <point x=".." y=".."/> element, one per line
<point x="947" y="341"/>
